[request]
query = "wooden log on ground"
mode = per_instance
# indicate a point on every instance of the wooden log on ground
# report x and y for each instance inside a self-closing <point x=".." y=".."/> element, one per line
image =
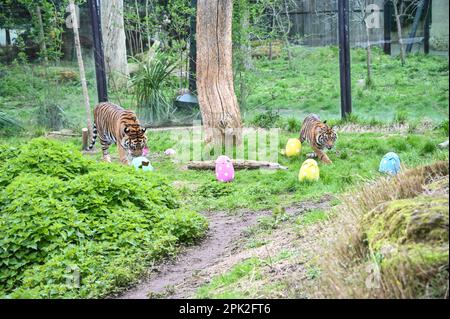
<point x="238" y="164"/>
<point x="85" y="135"/>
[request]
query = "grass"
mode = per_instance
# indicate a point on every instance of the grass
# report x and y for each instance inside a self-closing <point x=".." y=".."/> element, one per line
<point x="383" y="243"/>
<point x="417" y="90"/>
<point x="399" y="95"/>
<point x="355" y="161"/>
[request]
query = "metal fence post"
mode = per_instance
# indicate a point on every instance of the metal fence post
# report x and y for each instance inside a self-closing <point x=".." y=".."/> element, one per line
<point x="102" y="89"/>
<point x="344" y="57"/>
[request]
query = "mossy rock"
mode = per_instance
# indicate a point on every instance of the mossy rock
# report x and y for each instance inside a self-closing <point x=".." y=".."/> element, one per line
<point x="409" y="238"/>
<point x="423" y="219"/>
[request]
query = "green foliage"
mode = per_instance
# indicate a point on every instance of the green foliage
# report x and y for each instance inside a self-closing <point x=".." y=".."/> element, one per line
<point x="7" y="123"/>
<point x="312" y="217"/>
<point x="443" y="127"/>
<point x="215" y="189"/>
<point x="60" y="210"/>
<point x="311" y="85"/>
<point x="51" y="116"/>
<point x="401" y="116"/>
<point x="266" y="119"/>
<point x="150" y="83"/>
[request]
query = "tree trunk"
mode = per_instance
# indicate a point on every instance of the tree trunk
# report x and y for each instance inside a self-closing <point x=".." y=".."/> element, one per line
<point x="369" y="58"/>
<point x="8" y="37"/>
<point x="399" y="29"/>
<point x="238" y="164"/>
<point x="218" y="102"/>
<point x="114" y="42"/>
<point x="81" y="65"/>
<point x="41" y="34"/>
<point x="246" y="46"/>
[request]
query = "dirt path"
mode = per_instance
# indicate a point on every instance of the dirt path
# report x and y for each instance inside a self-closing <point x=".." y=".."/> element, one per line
<point x="180" y="277"/>
<point x="224" y="229"/>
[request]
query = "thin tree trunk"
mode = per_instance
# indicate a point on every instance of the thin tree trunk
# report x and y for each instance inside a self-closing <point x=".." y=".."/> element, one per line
<point x="141" y="47"/>
<point x="286" y="32"/>
<point x="147" y="33"/>
<point x="114" y="42"/>
<point x="41" y="33"/>
<point x="399" y="29"/>
<point x="246" y="47"/>
<point x="218" y="103"/>
<point x="369" y="58"/>
<point x="81" y="66"/>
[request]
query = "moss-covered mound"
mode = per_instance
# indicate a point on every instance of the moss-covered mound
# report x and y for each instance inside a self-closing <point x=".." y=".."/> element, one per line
<point x="410" y="236"/>
<point x="75" y="228"/>
<point x="395" y="239"/>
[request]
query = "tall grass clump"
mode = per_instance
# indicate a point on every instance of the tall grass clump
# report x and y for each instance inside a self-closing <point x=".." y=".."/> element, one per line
<point x="51" y="116"/>
<point x="8" y="124"/>
<point x="390" y="239"/>
<point x="151" y="86"/>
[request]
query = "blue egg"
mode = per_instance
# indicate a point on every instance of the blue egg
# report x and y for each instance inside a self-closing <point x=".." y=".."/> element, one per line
<point x="142" y="163"/>
<point x="390" y="164"/>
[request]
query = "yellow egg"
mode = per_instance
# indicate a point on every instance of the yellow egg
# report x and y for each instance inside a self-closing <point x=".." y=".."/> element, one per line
<point x="293" y="147"/>
<point x="309" y="171"/>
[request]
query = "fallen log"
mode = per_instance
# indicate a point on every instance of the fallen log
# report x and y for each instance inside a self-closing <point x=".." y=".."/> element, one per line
<point x="238" y="164"/>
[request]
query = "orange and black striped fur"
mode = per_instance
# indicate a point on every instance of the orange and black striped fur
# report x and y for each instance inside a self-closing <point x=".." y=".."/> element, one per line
<point x="113" y="124"/>
<point x="319" y="135"/>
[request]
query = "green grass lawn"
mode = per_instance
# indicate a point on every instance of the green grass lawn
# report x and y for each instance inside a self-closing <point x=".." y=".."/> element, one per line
<point x="311" y="84"/>
<point x="356" y="158"/>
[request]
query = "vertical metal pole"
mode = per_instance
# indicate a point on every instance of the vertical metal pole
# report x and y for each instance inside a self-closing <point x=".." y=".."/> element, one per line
<point x="102" y="89"/>
<point x="8" y="37"/>
<point x="387" y="26"/>
<point x="344" y="57"/>
<point x="193" y="50"/>
<point x="426" y="31"/>
<point x="416" y="22"/>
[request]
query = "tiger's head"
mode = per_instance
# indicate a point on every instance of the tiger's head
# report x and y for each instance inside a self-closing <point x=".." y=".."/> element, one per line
<point x="134" y="139"/>
<point x="327" y="136"/>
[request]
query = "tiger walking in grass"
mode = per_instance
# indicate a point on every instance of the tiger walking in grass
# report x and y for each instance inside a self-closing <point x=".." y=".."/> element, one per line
<point x="113" y="124"/>
<point x="319" y="135"/>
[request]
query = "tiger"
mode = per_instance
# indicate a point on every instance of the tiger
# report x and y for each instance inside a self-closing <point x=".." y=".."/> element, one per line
<point x="113" y="124"/>
<point x="319" y="135"/>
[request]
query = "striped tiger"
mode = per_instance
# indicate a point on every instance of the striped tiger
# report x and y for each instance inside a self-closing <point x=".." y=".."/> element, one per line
<point x="113" y="124"/>
<point x="319" y="135"/>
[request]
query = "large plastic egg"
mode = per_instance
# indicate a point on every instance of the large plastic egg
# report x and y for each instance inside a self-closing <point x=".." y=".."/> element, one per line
<point x="309" y="171"/>
<point x="390" y="164"/>
<point x="224" y="169"/>
<point x="293" y="147"/>
<point x="142" y="163"/>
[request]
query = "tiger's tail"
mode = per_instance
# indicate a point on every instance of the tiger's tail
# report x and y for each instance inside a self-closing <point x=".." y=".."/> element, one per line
<point x="94" y="137"/>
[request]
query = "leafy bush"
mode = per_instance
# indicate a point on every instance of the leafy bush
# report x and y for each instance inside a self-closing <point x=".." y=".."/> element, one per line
<point x="59" y="212"/>
<point x="149" y="84"/>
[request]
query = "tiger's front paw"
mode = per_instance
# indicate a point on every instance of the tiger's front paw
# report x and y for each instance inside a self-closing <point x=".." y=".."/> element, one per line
<point x="107" y="158"/>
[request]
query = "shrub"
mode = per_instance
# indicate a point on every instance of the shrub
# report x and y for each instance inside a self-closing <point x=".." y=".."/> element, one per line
<point x="150" y="83"/>
<point x="59" y="211"/>
<point x="267" y="119"/>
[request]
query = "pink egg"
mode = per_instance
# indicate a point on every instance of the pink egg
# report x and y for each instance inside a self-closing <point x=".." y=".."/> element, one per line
<point x="224" y="169"/>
